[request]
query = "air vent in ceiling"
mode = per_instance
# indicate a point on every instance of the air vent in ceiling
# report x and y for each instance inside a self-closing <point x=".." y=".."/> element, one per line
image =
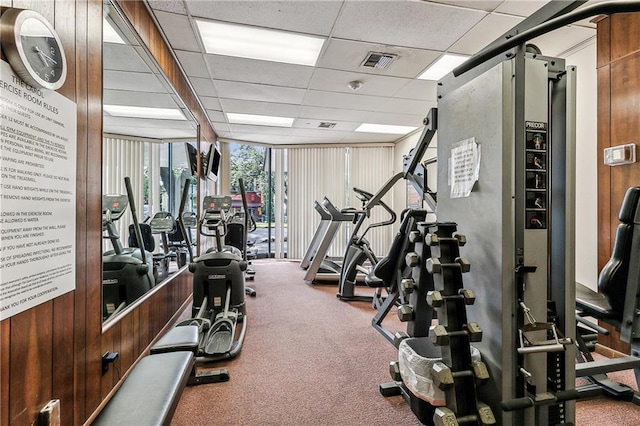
<point x="326" y="125"/>
<point x="377" y="60"/>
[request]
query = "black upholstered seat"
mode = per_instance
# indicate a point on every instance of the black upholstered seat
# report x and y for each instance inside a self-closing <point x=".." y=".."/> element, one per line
<point x="608" y="304"/>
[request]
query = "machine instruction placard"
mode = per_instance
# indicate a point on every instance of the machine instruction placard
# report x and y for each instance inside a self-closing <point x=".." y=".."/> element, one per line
<point x="38" y="130"/>
<point x="464" y="167"/>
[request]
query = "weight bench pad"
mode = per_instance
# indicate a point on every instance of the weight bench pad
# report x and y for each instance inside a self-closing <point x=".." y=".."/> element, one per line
<point x="182" y="338"/>
<point x="150" y="394"/>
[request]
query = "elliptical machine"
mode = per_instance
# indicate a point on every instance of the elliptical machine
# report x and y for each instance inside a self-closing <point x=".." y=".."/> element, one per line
<point x="127" y="273"/>
<point x="218" y="287"/>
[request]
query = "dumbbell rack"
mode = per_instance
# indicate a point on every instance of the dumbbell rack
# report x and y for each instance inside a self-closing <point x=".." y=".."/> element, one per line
<point x="437" y="249"/>
<point x="454" y="333"/>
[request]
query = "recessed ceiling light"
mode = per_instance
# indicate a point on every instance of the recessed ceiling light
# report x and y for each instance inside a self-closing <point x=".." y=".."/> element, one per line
<point x="259" y="120"/>
<point x="110" y="35"/>
<point x="259" y="43"/>
<point x="144" y="112"/>
<point x="385" y="128"/>
<point x="443" y="66"/>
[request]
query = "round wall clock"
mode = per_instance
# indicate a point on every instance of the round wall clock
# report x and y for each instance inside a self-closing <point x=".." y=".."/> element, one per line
<point x="33" y="48"/>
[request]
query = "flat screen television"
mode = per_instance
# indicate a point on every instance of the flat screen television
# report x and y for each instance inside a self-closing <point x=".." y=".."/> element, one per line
<point x="192" y="158"/>
<point x="211" y="163"/>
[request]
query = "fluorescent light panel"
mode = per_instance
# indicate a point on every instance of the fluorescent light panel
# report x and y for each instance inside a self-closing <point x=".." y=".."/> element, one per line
<point x="385" y="128"/>
<point x="259" y="43"/>
<point x="442" y="66"/>
<point x="109" y="35"/>
<point x="259" y="120"/>
<point x="144" y="112"/>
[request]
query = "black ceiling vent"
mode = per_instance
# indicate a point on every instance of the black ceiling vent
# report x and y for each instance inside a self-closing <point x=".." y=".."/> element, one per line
<point x="326" y="125"/>
<point x="378" y="60"/>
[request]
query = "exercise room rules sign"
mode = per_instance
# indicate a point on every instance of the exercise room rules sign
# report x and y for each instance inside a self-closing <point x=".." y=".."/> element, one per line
<point x="37" y="194"/>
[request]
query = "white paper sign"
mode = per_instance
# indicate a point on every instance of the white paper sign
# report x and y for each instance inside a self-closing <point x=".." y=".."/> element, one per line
<point x="464" y="167"/>
<point x="37" y="194"/>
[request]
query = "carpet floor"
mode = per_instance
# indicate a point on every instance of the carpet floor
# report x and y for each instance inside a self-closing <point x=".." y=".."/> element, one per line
<point x="309" y="359"/>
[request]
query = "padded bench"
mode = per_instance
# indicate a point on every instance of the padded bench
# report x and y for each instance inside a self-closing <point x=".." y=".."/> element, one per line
<point x="186" y="338"/>
<point x="150" y="394"/>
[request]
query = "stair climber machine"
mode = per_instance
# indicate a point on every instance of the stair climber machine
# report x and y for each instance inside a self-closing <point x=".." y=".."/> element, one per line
<point x="219" y="307"/>
<point x="359" y="252"/>
<point x="127" y="273"/>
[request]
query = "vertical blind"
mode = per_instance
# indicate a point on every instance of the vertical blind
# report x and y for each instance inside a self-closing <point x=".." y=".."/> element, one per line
<point x="369" y="169"/>
<point x="123" y="158"/>
<point x="315" y="173"/>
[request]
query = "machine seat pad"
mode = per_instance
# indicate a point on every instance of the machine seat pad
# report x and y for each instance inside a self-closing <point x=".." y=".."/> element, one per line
<point x="592" y="303"/>
<point x="150" y="394"/>
<point x="183" y="338"/>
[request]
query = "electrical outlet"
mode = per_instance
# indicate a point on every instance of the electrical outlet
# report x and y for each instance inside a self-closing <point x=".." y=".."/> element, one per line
<point x="108" y="358"/>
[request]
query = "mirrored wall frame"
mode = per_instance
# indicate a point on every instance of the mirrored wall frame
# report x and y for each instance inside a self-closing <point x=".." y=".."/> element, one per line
<point x="146" y="143"/>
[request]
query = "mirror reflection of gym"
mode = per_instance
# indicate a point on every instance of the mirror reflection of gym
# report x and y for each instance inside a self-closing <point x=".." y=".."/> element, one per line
<point x="147" y="131"/>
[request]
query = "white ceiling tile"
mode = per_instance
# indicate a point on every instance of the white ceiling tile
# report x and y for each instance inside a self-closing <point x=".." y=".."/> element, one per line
<point x="338" y="114"/>
<point x="348" y="55"/>
<point x="320" y="133"/>
<point x="563" y="39"/>
<point x="307" y="123"/>
<point x="328" y="138"/>
<point x="260" y="138"/>
<point x="131" y="98"/>
<point x="216" y="116"/>
<point x="520" y="7"/>
<point x="266" y="130"/>
<point x="261" y="108"/>
<point x="210" y="103"/>
<point x="486" y="5"/>
<point x="203" y="86"/>
<point x="258" y="92"/>
<point x="122" y="57"/>
<point x="254" y="71"/>
<point x="489" y="29"/>
<point x="193" y="64"/>
<point x="358" y="137"/>
<point x="365" y="103"/>
<point x="310" y="17"/>
<point x="179" y="31"/>
<point x="133" y="81"/>
<point x="425" y="90"/>
<point x="337" y="81"/>
<point x="220" y="126"/>
<point x="405" y="23"/>
<point x="174" y="6"/>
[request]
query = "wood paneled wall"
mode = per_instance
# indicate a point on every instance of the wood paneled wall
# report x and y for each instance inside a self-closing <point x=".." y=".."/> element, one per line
<point x="53" y="351"/>
<point x="618" y="63"/>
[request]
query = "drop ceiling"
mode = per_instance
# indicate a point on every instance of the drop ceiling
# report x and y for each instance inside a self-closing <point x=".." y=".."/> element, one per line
<point x="418" y="32"/>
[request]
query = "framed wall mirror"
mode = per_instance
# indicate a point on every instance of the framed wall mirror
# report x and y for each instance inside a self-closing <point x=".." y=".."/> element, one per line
<point x="150" y="140"/>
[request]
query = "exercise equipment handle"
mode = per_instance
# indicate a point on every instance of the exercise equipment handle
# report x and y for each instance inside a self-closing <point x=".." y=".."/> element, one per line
<point x="526" y="402"/>
<point x="607" y="8"/>
<point x="136" y="223"/>
<point x="183" y="229"/>
<point x="245" y="207"/>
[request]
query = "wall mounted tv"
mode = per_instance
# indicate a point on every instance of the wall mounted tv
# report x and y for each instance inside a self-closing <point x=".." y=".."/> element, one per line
<point x="192" y="158"/>
<point x="211" y="163"/>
